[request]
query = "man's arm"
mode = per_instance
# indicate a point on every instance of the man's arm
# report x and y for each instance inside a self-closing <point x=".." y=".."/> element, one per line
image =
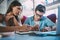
<point x="49" y="25"/>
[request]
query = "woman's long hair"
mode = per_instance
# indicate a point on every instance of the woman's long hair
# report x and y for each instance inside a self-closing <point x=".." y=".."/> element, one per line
<point x="13" y="4"/>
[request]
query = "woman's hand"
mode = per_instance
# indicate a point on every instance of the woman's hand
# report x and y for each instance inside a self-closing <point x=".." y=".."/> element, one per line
<point x="24" y="28"/>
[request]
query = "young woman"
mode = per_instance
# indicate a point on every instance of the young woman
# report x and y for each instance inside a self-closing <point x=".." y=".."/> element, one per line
<point x="12" y="13"/>
<point x="11" y="17"/>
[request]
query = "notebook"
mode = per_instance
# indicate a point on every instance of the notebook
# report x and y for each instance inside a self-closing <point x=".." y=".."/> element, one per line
<point x="37" y="32"/>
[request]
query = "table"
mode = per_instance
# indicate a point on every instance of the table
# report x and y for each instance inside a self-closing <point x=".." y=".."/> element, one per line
<point x="30" y="37"/>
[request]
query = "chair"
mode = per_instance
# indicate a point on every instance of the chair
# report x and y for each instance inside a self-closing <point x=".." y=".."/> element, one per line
<point x="52" y="17"/>
<point x="23" y="19"/>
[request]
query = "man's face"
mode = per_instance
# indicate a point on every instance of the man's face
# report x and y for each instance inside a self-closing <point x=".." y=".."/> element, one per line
<point x="39" y="14"/>
<point x="17" y="10"/>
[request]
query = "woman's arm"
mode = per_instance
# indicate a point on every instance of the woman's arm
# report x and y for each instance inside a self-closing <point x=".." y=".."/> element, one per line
<point x="11" y="20"/>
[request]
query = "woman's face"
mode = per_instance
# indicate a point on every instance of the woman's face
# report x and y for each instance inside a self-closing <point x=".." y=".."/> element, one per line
<point x="16" y="10"/>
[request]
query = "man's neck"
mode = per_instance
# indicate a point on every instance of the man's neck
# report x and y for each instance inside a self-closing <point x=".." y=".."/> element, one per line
<point x="35" y="18"/>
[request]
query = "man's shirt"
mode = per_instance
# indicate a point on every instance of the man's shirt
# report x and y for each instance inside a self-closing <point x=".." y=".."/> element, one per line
<point x="43" y="22"/>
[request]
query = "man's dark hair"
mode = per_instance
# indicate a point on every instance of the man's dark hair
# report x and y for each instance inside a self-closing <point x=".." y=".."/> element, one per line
<point x="40" y="8"/>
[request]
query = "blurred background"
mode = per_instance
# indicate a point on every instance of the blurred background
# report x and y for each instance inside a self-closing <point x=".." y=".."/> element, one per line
<point x="29" y="6"/>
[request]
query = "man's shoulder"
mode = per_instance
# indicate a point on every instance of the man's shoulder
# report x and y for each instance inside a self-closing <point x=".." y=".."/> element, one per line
<point x="29" y="19"/>
<point x="44" y="18"/>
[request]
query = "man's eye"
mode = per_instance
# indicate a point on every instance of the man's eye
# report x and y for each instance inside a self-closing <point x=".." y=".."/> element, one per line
<point x="39" y="15"/>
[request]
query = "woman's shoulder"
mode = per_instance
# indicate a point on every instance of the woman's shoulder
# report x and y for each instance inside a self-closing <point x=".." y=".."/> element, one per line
<point x="9" y="14"/>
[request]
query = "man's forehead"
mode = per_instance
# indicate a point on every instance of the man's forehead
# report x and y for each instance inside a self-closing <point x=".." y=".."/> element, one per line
<point x="39" y="12"/>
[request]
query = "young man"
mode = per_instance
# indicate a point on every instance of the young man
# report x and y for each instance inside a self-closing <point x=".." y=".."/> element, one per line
<point x="39" y="20"/>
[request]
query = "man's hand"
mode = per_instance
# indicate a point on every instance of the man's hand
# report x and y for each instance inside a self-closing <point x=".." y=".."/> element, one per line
<point x="46" y="29"/>
<point x="35" y="28"/>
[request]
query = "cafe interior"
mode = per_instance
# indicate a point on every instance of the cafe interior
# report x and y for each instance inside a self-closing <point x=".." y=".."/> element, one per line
<point x="24" y="32"/>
